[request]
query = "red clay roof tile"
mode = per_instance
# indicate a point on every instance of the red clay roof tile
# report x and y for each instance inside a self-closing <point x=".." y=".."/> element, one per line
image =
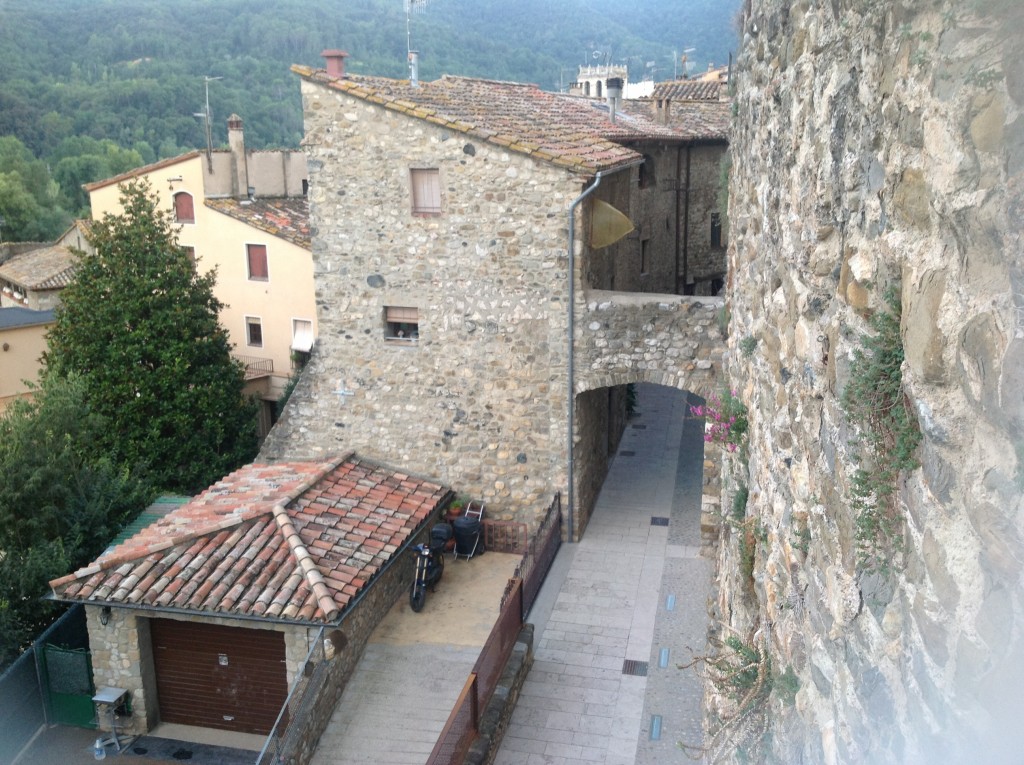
<point x="286" y="541"/>
<point x="568" y="131"/>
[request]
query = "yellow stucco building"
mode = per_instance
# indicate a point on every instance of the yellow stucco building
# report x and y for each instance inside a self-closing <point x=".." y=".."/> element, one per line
<point x="245" y="214"/>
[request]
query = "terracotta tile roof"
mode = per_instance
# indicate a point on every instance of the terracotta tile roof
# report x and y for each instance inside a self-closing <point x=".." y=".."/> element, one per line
<point x="287" y="218"/>
<point x="48" y="268"/>
<point x="289" y="542"/>
<point x="690" y="90"/>
<point x="140" y="171"/>
<point x="691" y="120"/>
<point x="568" y="131"/>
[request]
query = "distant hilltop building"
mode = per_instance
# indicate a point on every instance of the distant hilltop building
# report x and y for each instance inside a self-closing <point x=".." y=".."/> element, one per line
<point x="592" y="81"/>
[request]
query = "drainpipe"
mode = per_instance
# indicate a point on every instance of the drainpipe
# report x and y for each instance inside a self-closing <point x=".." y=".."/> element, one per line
<point x="686" y="224"/>
<point x="572" y="340"/>
<point x="572" y="321"/>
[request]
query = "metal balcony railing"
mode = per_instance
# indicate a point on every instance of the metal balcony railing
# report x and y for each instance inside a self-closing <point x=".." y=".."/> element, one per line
<point x="256" y="366"/>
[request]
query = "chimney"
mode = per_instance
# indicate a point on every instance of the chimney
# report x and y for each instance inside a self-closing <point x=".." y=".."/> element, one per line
<point x="239" y="164"/>
<point x="614" y="95"/>
<point x="414" y="68"/>
<point x="335" y="62"/>
<point x="664" y="110"/>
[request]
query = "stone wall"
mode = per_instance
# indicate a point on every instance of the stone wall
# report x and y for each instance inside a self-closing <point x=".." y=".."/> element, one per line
<point x="479" y="399"/>
<point x="122" y="655"/>
<point x="122" y="649"/>
<point x="879" y="145"/>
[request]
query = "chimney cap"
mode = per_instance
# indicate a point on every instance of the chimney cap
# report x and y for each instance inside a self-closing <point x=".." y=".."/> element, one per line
<point x="234" y="122"/>
<point x="335" y="60"/>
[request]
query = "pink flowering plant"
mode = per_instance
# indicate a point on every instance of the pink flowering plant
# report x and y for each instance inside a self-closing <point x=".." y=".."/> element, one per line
<point x="725" y="420"/>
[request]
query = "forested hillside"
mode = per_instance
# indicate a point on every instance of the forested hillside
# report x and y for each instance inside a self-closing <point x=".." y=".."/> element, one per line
<point x="90" y="88"/>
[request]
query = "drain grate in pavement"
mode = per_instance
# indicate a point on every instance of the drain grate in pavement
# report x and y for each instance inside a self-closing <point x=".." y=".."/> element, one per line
<point x="634" y="667"/>
<point x="627" y="454"/>
<point x="639" y="427"/>
<point x="658" y="520"/>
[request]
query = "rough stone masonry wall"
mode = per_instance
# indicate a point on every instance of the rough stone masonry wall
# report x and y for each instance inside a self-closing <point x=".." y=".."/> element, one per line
<point x="478" y="401"/>
<point x="878" y="143"/>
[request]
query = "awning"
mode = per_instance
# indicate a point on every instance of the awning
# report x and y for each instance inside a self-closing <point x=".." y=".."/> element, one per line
<point x="302" y="336"/>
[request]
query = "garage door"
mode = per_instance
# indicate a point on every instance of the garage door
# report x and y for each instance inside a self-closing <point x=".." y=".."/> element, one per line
<point x="219" y="677"/>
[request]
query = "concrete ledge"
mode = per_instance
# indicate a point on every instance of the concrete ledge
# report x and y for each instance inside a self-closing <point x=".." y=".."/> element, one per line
<point x="495" y="717"/>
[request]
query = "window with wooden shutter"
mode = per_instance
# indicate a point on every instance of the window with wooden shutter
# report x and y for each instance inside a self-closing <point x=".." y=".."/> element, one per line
<point x="184" y="211"/>
<point x="401" y="324"/>
<point x="257" y="257"/>
<point x="426" y="191"/>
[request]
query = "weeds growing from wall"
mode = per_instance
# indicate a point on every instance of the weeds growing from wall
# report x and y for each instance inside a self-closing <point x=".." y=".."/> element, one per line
<point x="875" y="402"/>
<point x="742" y="673"/>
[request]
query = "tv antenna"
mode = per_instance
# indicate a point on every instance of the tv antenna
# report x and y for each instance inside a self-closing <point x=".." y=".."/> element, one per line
<point x="681" y="60"/>
<point x="412" y="56"/>
<point x="207" y="118"/>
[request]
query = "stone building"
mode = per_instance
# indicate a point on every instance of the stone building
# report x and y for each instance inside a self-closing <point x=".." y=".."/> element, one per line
<point x="879" y="146"/>
<point x="445" y="213"/>
<point x="208" y="615"/>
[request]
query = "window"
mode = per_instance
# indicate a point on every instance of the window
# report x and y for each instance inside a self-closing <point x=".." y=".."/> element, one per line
<point x="645" y="257"/>
<point x="598" y="91"/>
<point x="402" y="324"/>
<point x="302" y="334"/>
<point x="184" y="212"/>
<point x="716" y="230"/>
<point x="426" y="191"/>
<point x="647" y="172"/>
<point x="253" y="331"/>
<point x="190" y="252"/>
<point x="257" y="257"/>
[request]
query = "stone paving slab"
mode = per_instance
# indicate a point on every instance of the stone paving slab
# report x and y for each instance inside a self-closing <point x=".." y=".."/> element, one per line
<point x="603" y="603"/>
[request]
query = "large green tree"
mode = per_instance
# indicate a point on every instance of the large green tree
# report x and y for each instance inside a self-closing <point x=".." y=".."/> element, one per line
<point x="61" y="501"/>
<point x="140" y="326"/>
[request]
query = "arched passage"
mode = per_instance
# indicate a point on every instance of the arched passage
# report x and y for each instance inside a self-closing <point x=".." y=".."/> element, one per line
<point x="626" y="339"/>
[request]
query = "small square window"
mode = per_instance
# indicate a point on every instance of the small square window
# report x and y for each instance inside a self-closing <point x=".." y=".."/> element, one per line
<point x="401" y="324"/>
<point x="253" y="332"/>
<point x="256" y="255"/>
<point x="426" y="191"/>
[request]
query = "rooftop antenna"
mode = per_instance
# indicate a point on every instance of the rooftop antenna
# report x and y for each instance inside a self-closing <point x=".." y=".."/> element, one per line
<point x="207" y="118"/>
<point x="682" y="60"/>
<point x="413" y="55"/>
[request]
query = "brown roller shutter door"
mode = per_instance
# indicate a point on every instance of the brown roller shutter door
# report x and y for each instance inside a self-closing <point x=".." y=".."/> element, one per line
<point x="219" y="677"/>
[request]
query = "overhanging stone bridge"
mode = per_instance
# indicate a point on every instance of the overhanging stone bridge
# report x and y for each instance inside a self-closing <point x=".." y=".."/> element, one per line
<point x="629" y="337"/>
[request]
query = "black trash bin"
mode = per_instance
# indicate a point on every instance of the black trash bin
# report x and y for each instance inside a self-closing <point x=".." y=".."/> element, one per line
<point x="467" y="537"/>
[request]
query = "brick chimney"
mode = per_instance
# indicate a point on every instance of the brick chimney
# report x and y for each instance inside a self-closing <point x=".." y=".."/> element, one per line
<point x="239" y="164"/>
<point x="335" y="62"/>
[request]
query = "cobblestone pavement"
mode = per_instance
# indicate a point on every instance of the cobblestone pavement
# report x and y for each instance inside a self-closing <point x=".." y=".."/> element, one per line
<point x="628" y="598"/>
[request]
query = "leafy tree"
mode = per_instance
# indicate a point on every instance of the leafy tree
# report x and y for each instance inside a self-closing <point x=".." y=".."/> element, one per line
<point x="140" y="326"/>
<point x="61" y="501"/>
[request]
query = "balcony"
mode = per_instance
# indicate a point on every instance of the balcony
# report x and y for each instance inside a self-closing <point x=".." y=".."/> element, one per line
<point x="256" y="367"/>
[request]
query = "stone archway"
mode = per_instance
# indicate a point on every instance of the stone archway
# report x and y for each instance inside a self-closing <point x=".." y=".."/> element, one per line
<point x="625" y="338"/>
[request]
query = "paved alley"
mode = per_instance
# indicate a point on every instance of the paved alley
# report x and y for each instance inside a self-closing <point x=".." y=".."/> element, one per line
<point x="622" y="608"/>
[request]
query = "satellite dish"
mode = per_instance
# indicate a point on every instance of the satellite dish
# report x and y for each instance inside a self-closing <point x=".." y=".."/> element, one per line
<point x="596" y="54"/>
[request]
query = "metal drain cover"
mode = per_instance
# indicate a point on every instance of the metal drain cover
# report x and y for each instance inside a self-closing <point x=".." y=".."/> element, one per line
<point x="634" y="667"/>
<point x="659" y="521"/>
<point x="626" y="454"/>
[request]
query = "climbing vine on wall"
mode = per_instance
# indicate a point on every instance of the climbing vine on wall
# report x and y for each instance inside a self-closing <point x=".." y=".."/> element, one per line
<point x="874" y="400"/>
